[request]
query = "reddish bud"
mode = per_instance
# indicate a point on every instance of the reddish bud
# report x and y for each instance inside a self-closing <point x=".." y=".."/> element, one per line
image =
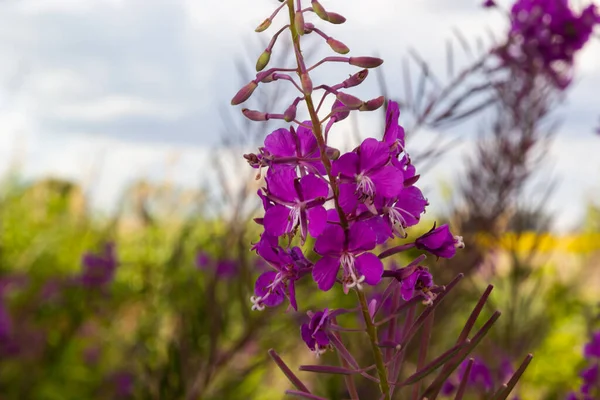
<point x="349" y="101"/>
<point x="338" y="46"/>
<point x="332" y="153"/>
<point x="263" y="60"/>
<point x="365" y="62"/>
<point x="319" y="10"/>
<point x="373" y="104"/>
<point x="340" y="114"/>
<point x="290" y="114"/>
<point x="356" y="79"/>
<point x="254" y="115"/>
<point x="307" y="85"/>
<point x="335" y="18"/>
<point x="264" y="25"/>
<point x="299" y="21"/>
<point x="244" y="94"/>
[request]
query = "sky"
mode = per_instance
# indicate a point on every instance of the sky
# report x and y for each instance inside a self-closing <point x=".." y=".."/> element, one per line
<point x="104" y="92"/>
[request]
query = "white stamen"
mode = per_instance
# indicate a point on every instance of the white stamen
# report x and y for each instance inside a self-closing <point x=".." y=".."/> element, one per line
<point x="257" y="304"/>
<point x="459" y="244"/>
<point x="365" y="185"/>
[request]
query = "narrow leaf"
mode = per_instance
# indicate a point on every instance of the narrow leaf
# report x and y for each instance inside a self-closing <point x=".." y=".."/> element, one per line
<point x="288" y="372"/>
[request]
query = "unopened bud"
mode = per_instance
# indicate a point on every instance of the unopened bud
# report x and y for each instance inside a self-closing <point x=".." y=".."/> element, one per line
<point x="373" y="104"/>
<point x="254" y="115"/>
<point x="244" y="94"/>
<point x="356" y="79"/>
<point x="332" y="153"/>
<point x="335" y="18"/>
<point x="268" y="78"/>
<point x="338" y="46"/>
<point x="339" y="115"/>
<point x="263" y="60"/>
<point x="319" y="10"/>
<point x="299" y="21"/>
<point x="307" y="85"/>
<point x="290" y="114"/>
<point x="349" y="101"/>
<point x="308" y="27"/>
<point x="264" y="25"/>
<point x="365" y="62"/>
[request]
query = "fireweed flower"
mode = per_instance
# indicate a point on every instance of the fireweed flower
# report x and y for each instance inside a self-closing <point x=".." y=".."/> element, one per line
<point x="592" y="349"/>
<point x="358" y="265"/>
<point x="590" y="375"/>
<point x="365" y="173"/>
<point x="272" y="287"/>
<point x="298" y="203"/>
<point x="99" y="269"/>
<point x="546" y="34"/>
<point x="479" y="379"/>
<point x="314" y="333"/>
<point x="420" y="281"/>
<point x="440" y="242"/>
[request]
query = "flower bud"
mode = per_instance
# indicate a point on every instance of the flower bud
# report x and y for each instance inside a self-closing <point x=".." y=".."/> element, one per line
<point x="268" y="78"/>
<point x="332" y="153"/>
<point x="307" y="85"/>
<point x="339" y="115"/>
<point x="338" y="46"/>
<point x="365" y="62"/>
<point x="264" y="25"/>
<point x="319" y="10"/>
<point x="373" y="104"/>
<point x="356" y="79"/>
<point x="299" y="20"/>
<point x="263" y="60"/>
<point x="335" y="18"/>
<point x="349" y="101"/>
<point x="290" y="113"/>
<point x="244" y="94"/>
<point x="254" y="115"/>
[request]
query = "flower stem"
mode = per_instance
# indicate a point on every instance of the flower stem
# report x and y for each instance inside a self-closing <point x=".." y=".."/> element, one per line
<point x="372" y="332"/>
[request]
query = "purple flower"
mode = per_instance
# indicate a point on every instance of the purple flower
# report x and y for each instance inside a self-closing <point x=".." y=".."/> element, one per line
<point x="592" y="348"/>
<point x="420" y="281"/>
<point x="394" y="134"/>
<point x="358" y="265"/>
<point x="203" y="259"/>
<point x="405" y="210"/>
<point x="479" y="378"/>
<point x="440" y="242"/>
<point x="298" y="203"/>
<point x="227" y="269"/>
<point x="365" y="173"/>
<point x="299" y="148"/>
<point x="99" y="269"/>
<point x="314" y="333"/>
<point x="123" y="384"/>
<point x="272" y="287"/>
<point x="489" y="3"/>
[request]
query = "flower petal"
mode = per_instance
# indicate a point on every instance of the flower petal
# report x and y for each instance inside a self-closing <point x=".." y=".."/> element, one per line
<point x="411" y="204"/>
<point x="373" y="154"/>
<point x="346" y="165"/>
<point x="325" y="271"/>
<point x="278" y="220"/>
<point x="313" y="187"/>
<point x="280" y="183"/>
<point x="370" y="266"/>
<point x="347" y="197"/>
<point x="317" y="220"/>
<point x="388" y="181"/>
<point x="361" y="237"/>
<point x="281" y="143"/>
<point x="331" y="241"/>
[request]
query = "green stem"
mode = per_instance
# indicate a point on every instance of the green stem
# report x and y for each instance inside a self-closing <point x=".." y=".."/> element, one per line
<point x="372" y="332"/>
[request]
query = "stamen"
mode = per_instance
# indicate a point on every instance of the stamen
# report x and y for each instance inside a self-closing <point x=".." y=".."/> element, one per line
<point x="257" y="304"/>
<point x="459" y="244"/>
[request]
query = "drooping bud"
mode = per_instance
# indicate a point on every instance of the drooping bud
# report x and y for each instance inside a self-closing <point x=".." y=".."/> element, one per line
<point x="307" y="85"/>
<point x="254" y="115"/>
<point x="268" y="78"/>
<point x="349" y="101"/>
<point x="339" y="115"/>
<point x="356" y="79"/>
<point x="264" y="25"/>
<point x="263" y="60"/>
<point x="290" y="113"/>
<point x="244" y="93"/>
<point x="338" y="46"/>
<point x="335" y="18"/>
<point x="373" y="104"/>
<point x="299" y="21"/>
<point x="365" y="62"/>
<point x="319" y="10"/>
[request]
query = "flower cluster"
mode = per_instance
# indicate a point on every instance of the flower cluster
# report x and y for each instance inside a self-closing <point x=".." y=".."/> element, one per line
<point x="545" y="35"/>
<point x="590" y="388"/>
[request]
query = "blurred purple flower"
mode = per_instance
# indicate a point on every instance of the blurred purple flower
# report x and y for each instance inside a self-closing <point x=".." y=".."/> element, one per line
<point x="440" y="242"/>
<point x="592" y="348"/>
<point x="99" y="269"/>
<point x="123" y="384"/>
<point x="203" y="259"/>
<point x="489" y="3"/>
<point x="314" y="333"/>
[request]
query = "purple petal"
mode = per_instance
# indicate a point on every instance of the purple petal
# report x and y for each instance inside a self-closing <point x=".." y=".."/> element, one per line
<point x="306" y="334"/>
<point x="346" y="165"/>
<point x="261" y="288"/>
<point x="370" y="266"/>
<point x="331" y="241"/>
<point x="278" y="220"/>
<point x="411" y="204"/>
<point x="382" y="230"/>
<point x="317" y="220"/>
<point x="280" y="183"/>
<point x="347" y="197"/>
<point x="308" y="141"/>
<point x="391" y="124"/>
<point x="292" y="293"/>
<point x="388" y="181"/>
<point x="325" y="271"/>
<point x="361" y="237"/>
<point x="373" y="154"/>
<point x="281" y="143"/>
<point x="313" y="187"/>
<point x="407" y="288"/>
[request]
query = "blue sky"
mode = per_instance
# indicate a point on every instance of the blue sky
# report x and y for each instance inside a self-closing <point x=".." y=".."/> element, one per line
<point x="105" y="91"/>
